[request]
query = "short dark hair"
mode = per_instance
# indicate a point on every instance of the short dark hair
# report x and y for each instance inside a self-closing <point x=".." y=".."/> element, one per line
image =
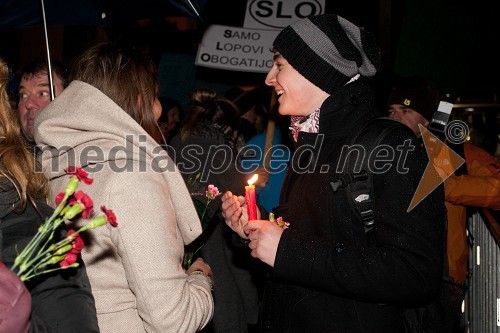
<point x="40" y="65"/>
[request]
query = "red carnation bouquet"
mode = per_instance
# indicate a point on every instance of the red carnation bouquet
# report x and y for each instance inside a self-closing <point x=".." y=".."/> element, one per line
<point x="42" y="255"/>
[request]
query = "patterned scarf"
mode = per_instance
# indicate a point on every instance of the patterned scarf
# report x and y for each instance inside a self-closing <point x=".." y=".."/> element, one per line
<point x="308" y="124"/>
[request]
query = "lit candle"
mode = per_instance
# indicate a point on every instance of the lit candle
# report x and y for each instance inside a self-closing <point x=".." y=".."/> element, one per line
<point x="250" y="198"/>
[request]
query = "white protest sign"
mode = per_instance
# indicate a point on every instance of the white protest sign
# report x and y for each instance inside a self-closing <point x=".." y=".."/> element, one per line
<point x="277" y="14"/>
<point x="238" y="49"/>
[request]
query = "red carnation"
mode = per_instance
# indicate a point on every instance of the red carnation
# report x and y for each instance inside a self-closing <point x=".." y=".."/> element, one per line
<point x="77" y="243"/>
<point x="85" y="201"/>
<point x="79" y="173"/>
<point x="110" y="216"/>
<point x="69" y="259"/>
<point x="59" y="198"/>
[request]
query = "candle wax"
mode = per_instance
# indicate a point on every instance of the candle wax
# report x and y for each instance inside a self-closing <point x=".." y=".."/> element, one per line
<point x="250" y="201"/>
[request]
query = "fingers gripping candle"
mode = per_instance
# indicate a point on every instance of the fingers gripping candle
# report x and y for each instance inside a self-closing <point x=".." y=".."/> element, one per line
<point x="250" y="198"/>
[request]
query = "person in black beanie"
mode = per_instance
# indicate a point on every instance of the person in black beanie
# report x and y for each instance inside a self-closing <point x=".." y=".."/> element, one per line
<point x="327" y="274"/>
<point x="413" y="104"/>
<point x="472" y="188"/>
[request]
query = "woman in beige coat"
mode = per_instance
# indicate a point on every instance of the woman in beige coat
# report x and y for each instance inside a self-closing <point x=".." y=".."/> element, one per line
<point x="104" y="122"/>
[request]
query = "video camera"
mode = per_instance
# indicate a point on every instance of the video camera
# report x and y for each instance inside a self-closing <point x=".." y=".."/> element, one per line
<point x="437" y="125"/>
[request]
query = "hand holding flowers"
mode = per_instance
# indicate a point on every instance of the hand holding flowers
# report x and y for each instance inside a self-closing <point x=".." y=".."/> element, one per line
<point x="41" y="255"/>
<point x="211" y="193"/>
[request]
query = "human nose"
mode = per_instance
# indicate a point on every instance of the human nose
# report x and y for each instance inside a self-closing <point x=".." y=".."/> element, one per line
<point x="31" y="103"/>
<point x="271" y="76"/>
<point x="395" y="116"/>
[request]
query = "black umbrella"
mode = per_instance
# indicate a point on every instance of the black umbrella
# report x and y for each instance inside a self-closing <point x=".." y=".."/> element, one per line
<point x="23" y="13"/>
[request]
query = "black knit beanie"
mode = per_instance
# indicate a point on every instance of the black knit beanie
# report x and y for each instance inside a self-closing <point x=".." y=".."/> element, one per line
<point x="328" y="50"/>
<point x="422" y="99"/>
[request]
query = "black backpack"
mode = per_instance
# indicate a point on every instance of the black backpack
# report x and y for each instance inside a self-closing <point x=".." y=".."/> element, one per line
<point x="357" y="178"/>
<point x="358" y="183"/>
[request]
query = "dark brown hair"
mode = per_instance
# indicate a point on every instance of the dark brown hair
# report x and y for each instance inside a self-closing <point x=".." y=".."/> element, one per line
<point x="123" y="74"/>
<point x="206" y="106"/>
<point x="39" y="66"/>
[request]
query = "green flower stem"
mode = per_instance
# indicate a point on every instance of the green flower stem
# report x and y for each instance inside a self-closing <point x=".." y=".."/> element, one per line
<point x="39" y="236"/>
<point x="97" y="222"/>
<point x="49" y="259"/>
<point x="28" y="251"/>
<point x="73" y="211"/>
<point x="49" y="271"/>
<point x="59" y="207"/>
<point x="64" y="249"/>
<point x="188" y="257"/>
<point x="65" y="209"/>
<point x="204" y="212"/>
<point x="46" y="244"/>
<point x="23" y="260"/>
<point x="61" y="243"/>
<point x="38" y="253"/>
<point x="43" y="251"/>
<point x="35" y="267"/>
<point x="56" y="248"/>
<point x="203" y="215"/>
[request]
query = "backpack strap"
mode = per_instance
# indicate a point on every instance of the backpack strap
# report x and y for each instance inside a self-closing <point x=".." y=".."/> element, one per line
<point x="356" y="178"/>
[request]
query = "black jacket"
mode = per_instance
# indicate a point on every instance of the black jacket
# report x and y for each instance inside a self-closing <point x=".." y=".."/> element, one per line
<point x="61" y="301"/>
<point x="326" y="277"/>
<point x="235" y="292"/>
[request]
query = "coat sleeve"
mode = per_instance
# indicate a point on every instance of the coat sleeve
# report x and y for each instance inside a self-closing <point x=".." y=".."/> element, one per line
<point x="63" y="302"/>
<point x="405" y="264"/>
<point x="150" y="246"/>
<point x="481" y="186"/>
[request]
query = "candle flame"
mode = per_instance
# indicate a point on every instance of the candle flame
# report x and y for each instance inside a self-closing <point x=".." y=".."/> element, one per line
<point x="252" y="180"/>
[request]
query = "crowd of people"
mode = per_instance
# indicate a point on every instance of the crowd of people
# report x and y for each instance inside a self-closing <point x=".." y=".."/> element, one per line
<point x="348" y="254"/>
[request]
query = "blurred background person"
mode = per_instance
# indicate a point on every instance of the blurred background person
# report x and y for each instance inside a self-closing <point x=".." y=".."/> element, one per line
<point x="253" y="106"/>
<point x="210" y="134"/>
<point x="170" y="118"/>
<point x="476" y="184"/>
<point x="34" y="91"/>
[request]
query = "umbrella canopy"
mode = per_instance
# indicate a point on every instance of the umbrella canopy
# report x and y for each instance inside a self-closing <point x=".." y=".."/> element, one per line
<point x="133" y="9"/>
<point x="23" y="13"/>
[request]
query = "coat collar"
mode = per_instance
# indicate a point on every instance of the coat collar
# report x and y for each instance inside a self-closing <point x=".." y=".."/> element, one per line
<point x="82" y="117"/>
<point x="347" y="109"/>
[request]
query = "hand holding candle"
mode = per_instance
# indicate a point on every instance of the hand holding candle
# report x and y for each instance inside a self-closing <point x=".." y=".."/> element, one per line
<point x="250" y="198"/>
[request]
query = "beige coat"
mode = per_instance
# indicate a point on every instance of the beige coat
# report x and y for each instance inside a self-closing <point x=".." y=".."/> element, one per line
<point x="134" y="269"/>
